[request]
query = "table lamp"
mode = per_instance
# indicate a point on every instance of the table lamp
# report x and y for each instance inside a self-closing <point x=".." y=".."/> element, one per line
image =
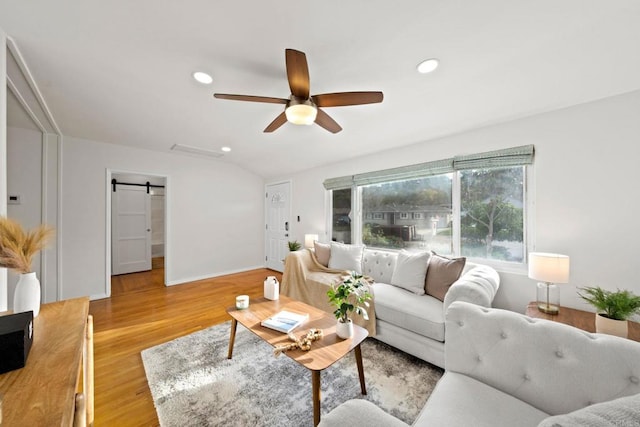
<point x="309" y="239"/>
<point x="549" y="269"/>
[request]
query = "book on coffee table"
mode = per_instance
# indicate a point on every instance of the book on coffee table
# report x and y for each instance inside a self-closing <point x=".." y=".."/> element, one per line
<point x="285" y="321"/>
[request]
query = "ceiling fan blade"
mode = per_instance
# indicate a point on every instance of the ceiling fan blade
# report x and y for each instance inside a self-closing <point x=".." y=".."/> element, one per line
<point x="325" y="121"/>
<point x="250" y="98"/>
<point x="341" y="99"/>
<point x="297" y="73"/>
<point x="276" y="123"/>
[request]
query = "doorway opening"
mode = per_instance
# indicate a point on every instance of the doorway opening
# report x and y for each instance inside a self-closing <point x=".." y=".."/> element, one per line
<point x="137" y="212"/>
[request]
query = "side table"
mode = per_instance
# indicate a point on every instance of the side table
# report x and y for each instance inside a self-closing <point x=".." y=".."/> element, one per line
<point x="580" y="319"/>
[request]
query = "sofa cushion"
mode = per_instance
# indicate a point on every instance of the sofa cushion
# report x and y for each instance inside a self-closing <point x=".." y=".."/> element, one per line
<point x="461" y="401"/>
<point x="410" y="271"/>
<point x="323" y="252"/>
<point x="379" y="264"/>
<point x="624" y="411"/>
<point x="359" y="413"/>
<point x="346" y="257"/>
<point x="421" y="314"/>
<point x="441" y="273"/>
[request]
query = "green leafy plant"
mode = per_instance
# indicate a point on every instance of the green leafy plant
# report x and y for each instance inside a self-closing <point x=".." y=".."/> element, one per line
<point x="294" y="246"/>
<point x="619" y="305"/>
<point x="350" y="295"/>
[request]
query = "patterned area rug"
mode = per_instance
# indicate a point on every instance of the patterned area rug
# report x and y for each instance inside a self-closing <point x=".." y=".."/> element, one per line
<point x="194" y="384"/>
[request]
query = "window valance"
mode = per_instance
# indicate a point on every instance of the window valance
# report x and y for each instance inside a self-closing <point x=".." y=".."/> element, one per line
<point x="515" y="156"/>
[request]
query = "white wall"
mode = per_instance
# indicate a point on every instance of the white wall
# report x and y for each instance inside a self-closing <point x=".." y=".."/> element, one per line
<point x="3" y="154"/>
<point x="214" y="214"/>
<point x="24" y="178"/>
<point x="586" y="190"/>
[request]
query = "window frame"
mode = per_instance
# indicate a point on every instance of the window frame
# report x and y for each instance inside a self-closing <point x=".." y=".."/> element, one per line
<point x="502" y="266"/>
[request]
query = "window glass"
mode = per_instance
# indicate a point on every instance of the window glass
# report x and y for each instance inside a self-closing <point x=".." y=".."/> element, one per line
<point x="411" y="214"/>
<point x="341" y="212"/>
<point x="492" y="213"/>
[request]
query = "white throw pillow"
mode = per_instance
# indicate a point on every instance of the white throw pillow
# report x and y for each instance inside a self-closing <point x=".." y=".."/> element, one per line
<point x="346" y="257"/>
<point x="411" y="270"/>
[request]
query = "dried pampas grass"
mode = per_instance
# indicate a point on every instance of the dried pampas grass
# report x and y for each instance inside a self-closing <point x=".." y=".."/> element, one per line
<point x="17" y="246"/>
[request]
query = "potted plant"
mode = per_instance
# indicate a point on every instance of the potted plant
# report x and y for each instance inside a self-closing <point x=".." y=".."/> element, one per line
<point x="614" y="309"/>
<point x="294" y="245"/>
<point x="17" y="249"/>
<point x="350" y="295"/>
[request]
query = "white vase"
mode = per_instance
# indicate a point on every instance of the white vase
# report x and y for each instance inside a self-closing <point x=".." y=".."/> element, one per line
<point x="27" y="294"/>
<point x="344" y="330"/>
<point x="604" y="325"/>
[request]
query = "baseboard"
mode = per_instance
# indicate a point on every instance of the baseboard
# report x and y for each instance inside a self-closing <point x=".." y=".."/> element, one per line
<point x="98" y="296"/>
<point x="212" y="275"/>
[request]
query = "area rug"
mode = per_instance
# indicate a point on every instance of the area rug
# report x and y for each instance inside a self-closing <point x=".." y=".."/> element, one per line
<point x="194" y="384"/>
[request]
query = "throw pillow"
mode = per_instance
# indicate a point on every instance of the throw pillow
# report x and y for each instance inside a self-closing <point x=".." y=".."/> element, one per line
<point x="441" y="273"/>
<point x="346" y="257"/>
<point x="624" y="411"/>
<point x="323" y="252"/>
<point x="410" y="271"/>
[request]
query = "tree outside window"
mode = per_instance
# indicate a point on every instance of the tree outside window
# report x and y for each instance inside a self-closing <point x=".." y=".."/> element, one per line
<point x="492" y="214"/>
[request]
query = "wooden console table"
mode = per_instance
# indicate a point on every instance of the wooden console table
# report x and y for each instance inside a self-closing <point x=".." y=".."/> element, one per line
<point x="584" y="320"/>
<point x="44" y="391"/>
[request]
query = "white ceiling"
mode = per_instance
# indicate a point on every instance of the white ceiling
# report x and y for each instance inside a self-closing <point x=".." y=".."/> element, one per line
<point x="120" y="71"/>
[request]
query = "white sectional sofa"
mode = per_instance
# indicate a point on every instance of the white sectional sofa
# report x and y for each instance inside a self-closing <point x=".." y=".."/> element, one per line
<point x="413" y="323"/>
<point x="506" y="369"/>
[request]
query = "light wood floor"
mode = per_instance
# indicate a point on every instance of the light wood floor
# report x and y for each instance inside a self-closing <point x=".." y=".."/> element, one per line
<point x="141" y="313"/>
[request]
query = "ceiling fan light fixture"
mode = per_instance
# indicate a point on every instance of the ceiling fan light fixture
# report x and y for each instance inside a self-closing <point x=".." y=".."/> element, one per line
<point x="203" y="78"/>
<point x="301" y="114"/>
<point x="428" y="65"/>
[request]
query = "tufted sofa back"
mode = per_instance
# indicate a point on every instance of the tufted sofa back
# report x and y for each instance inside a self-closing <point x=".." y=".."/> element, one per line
<point x="379" y="264"/>
<point x="552" y="366"/>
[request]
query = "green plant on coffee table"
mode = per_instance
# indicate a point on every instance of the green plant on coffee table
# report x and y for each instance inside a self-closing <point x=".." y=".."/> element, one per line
<point x="619" y="305"/>
<point x="350" y="295"/>
<point x="294" y="245"/>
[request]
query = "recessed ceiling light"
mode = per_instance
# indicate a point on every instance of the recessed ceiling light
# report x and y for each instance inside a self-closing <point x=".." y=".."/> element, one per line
<point x="226" y="149"/>
<point x="427" y="66"/>
<point x="203" y="78"/>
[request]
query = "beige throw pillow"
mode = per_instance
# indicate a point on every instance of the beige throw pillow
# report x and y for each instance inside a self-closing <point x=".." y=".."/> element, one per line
<point x="441" y="273"/>
<point x="323" y="252"/>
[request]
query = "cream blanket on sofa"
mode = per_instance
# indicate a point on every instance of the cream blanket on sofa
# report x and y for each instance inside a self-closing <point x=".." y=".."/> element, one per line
<point x="306" y="280"/>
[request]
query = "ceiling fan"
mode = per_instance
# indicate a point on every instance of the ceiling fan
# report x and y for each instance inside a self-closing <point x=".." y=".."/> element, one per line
<point x="301" y="107"/>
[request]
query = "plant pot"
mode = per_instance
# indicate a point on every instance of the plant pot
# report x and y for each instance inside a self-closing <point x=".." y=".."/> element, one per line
<point x="604" y="325"/>
<point x="344" y="330"/>
<point x="27" y="294"/>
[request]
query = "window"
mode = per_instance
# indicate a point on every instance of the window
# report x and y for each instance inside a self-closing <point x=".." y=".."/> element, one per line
<point x="341" y="224"/>
<point x="492" y="213"/>
<point x="431" y="194"/>
<point x="471" y="205"/>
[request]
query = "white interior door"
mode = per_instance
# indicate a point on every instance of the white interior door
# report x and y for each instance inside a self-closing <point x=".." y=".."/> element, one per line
<point x="278" y="224"/>
<point x="130" y="230"/>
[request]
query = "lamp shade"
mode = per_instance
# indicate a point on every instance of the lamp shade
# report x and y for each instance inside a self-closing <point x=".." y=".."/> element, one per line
<point x="552" y="268"/>
<point x="309" y="239"/>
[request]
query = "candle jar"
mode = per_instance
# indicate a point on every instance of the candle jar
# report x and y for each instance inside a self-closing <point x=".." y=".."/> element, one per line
<point x="242" y="302"/>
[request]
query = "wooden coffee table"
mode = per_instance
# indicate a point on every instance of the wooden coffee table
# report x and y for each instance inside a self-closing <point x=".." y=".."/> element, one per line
<point x="324" y="352"/>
